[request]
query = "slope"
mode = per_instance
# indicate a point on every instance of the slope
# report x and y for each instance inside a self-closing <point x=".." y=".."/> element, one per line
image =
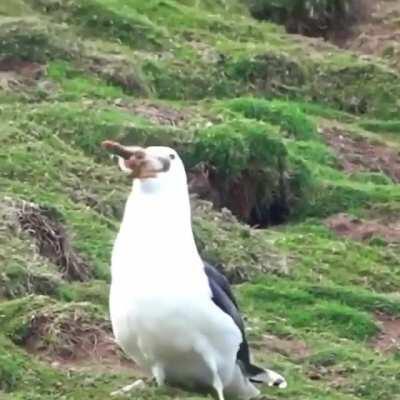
<point x="295" y="132"/>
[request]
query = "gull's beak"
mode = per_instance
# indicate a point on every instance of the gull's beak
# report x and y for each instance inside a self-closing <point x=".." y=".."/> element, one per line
<point x="136" y="161"/>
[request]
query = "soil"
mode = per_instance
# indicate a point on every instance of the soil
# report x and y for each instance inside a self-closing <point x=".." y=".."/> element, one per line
<point x="159" y="114"/>
<point x="240" y="195"/>
<point x="105" y="356"/>
<point x="388" y="340"/>
<point x="73" y="342"/>
<point x="296" y="350"/>
<point x="53" y="241"/>
<point x="359" y="229"/>
<point x="16" y="73"/>
<point x="357" y="154"/>
<point x="378" y="35"/>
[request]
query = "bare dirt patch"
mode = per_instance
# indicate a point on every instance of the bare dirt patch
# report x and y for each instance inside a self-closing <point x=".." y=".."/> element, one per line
<point x="335" y="377"/>
<point x="74" y="338"/>
<point x="359" y="229"/>
<point x="357" y="154"/>
<point x="102" y="355"/>
<point x="378" y="35"/>
<point x="207" y="53"/>
<point x="296" y="350"/>
<point x="388" y="339"/>
<point x="299" y="352"/>
<point x="16" y="73"/>
<point x="160" y="114"/>
<point x="106" y="358"/>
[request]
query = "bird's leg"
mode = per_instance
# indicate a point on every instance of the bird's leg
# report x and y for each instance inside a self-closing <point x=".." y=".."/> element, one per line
<point x="217" y="383"/>
<point x="159" y="374"/>
<point x="203" y="350"/>
<point x="218" y="386"/>
<point x="137" y="385"/>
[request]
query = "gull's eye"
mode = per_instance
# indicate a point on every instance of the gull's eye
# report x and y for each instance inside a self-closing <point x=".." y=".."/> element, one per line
<point x="172" y="156"/>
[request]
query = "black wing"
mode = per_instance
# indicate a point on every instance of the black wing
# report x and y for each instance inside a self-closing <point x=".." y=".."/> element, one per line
<point x="223" y="297"/>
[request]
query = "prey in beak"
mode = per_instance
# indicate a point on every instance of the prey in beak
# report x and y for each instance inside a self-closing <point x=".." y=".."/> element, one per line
<point x="136" y="161"/>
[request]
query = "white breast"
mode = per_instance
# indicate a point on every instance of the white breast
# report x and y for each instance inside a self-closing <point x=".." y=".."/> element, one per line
<point x="160" y="300"/>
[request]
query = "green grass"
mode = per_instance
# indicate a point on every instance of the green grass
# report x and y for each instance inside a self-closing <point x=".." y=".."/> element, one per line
<point x="85" y="126"/>
<point x="76" y="85"/>
<point x="233" y="146"/>
<point x="221" y="88"/>
<point x="286" y="115"/>
<point x="33" y="39"/>
<point x="305" y="310"/>
<point x="105" y="18"/>
<point x="319" y="253"/>
<point x="390" y="126"/>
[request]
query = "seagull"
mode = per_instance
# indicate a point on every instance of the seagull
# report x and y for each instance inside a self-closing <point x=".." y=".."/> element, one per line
<point x="172" y="313"/>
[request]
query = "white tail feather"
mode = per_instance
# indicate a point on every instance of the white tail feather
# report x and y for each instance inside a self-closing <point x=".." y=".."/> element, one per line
<point x="271" y="378"/>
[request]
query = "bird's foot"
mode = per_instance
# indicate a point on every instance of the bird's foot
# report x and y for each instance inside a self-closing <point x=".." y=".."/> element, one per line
<point x="137" y="385"/>
<point x="274" y="379"/>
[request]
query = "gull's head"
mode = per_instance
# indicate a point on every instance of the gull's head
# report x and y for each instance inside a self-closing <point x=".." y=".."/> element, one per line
<point x="156" y="167"/>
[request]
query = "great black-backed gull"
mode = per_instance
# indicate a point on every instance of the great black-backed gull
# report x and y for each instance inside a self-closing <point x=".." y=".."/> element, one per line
<point x="172" y="313"/>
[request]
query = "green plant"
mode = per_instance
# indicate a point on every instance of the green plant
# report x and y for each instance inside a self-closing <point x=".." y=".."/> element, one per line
<point x="287" y="115"/>
<point x="238" y="145"/>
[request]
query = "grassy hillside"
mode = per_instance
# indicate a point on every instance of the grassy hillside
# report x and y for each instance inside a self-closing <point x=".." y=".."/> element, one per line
<point x="310" y="130"/>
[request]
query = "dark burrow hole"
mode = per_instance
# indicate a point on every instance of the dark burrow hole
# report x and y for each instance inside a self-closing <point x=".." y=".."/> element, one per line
<point x="332" y="20"/>
<point x="262" y="216"/>
<point x="242" y="196"/>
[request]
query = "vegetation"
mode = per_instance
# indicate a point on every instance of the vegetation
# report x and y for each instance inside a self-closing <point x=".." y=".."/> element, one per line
<point x="303" y="129"/>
